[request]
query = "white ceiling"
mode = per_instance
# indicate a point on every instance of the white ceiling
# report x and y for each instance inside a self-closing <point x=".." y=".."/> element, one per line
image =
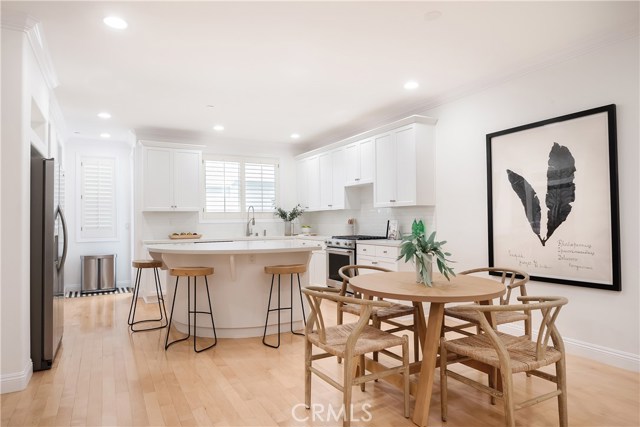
<point x="325" y="70"/>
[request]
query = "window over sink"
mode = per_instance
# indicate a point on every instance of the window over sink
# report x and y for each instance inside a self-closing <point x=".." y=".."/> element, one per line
<point x="233" y="184"/>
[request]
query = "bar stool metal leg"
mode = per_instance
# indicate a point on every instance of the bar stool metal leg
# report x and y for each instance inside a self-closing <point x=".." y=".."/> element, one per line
<point x="192" y="311"/>
<point x="269" y="310"/>
<point x="279" y="309"/>
<point x="304" y="319"/>
<point x="134" y="304"/>
<point x="166" y="341"/>
<point x="196" y="312"/>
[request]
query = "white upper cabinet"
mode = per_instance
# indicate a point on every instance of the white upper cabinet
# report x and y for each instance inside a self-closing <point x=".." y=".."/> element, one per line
<point x="360" y="160"/>
<point x="308" y="183"/>
<point x="404" y="174"/>
<point x="171" y="179"/>
<point x="332" y="178"/>
<point x="398" y="158"/>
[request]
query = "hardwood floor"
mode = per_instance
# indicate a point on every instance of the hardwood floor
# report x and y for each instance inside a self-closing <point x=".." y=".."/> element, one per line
<point x="105" y="375"/>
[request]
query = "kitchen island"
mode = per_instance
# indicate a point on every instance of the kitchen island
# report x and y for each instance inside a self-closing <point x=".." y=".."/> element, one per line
<point x="239" y="287"/>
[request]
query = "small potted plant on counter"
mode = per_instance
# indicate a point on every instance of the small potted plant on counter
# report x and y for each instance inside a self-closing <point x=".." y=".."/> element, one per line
<point x="417" y="247"/>
<point x="288" y="217"/>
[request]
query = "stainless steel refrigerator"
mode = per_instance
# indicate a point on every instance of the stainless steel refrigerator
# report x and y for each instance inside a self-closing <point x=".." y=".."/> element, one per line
<point x="48" y="253"/>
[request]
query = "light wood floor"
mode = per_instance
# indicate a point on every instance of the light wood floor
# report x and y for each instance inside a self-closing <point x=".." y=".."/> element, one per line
<point x="106" y="376"/>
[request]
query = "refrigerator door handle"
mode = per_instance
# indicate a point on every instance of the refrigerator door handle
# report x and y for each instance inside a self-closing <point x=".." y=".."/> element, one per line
<point x="60" y="262"/>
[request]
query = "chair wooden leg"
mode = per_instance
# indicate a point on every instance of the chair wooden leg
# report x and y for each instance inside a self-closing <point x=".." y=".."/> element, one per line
<point x="443" y="381"/>
<point x="376" y="324"/>
<point x="361" y="370"/>
<point x="507" y="397"/>
<point x="493" y="382"/>
<point x="405" y="362"/>
<point x="307" y="374"/>
<point x="416" y="338"/>
<point x="562" y="398"/>
<point x="347" y="389"/>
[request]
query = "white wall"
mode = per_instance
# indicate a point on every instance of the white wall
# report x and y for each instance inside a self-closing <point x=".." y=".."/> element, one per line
<point x="598" y="323"/>
<point x="369" y="219"/>
<point x="122" y="152"/>
<point x="15" y="352"/>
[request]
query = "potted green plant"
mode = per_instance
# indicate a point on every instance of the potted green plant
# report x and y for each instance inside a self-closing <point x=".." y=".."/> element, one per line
<point x="416" y="246"/>
<point x="288" y="217"/>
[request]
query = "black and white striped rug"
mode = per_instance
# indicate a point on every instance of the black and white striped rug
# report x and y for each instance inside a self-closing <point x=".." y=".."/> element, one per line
<point x="77" y="294"/>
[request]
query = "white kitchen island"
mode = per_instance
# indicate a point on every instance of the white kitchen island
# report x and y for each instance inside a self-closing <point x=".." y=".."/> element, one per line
<point x="239" y="287"/>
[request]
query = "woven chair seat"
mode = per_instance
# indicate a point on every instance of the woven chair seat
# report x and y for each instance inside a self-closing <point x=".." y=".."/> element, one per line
<point x="371" y="339"/>
<point x="382" y="313"/>
<point x="472" y="316"/>
<point x="522" y="351"/>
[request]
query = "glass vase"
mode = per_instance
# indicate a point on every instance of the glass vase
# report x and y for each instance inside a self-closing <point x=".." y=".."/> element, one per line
<point x="427" y="261"/>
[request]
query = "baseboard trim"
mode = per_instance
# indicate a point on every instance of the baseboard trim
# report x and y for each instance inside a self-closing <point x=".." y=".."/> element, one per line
<point x="16" y="381"/>
<point x="606" y="355"/>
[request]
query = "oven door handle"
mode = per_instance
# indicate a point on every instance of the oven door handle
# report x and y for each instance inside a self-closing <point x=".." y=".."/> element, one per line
<point x="339" y="251"/>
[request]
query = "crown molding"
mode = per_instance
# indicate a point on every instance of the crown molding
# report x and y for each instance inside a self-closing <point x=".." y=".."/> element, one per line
<point x="19" y="21"/>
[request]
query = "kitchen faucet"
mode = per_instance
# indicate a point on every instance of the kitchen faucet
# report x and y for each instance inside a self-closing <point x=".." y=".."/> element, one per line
<point x="251" y="222"/>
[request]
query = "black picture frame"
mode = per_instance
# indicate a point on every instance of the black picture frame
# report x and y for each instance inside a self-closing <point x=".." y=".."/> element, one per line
<point x="569" y="235"/>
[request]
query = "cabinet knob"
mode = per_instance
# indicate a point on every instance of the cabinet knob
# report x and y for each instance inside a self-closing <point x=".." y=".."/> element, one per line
<point x="384" y="252"/>
<point x="392" y="200"/>
<point x="374" y="262"/>
<point x="357" y="179"/>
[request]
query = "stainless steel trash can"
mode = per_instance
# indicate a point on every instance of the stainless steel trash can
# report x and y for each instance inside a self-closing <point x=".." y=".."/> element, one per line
<point x="98" y="273"/>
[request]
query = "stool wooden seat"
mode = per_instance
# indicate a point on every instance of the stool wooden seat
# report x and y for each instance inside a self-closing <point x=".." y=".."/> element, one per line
<point x="285" y="269"/>
<point x="279" y="270"/>
<point x="140" y="265"/>
<point x="190" y="272"/>
<point x="146" y="263"/>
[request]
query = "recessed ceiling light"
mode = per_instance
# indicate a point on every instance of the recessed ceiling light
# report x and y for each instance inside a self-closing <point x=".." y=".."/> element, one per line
<point x="105" y="135"/>
<point x="104" y="115"/>
<point x="218" y="128"/>
<point x="295" y="136"/>
<point x="432" y="15"/>
<point x="115" y="22"/>
<point x="410" y="85"/>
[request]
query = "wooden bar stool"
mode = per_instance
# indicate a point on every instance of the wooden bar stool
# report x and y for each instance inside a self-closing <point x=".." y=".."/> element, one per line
<point x="190" y="272"/>
<point x="131" y="320"/>
<point x="279" y="270"/>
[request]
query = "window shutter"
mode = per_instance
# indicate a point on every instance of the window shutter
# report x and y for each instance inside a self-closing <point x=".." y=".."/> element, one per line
<point x="98" y="203"/>
<point x="260" y="186"/>
<point x="222" y="186"/>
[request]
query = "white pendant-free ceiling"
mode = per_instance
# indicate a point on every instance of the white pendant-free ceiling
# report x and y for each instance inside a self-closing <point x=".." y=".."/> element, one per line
<point x="323" y="70"/>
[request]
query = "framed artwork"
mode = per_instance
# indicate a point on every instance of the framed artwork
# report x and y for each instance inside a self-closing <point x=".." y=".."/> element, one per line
<point x="553" y="199"/>
<point x="393" y="231"/>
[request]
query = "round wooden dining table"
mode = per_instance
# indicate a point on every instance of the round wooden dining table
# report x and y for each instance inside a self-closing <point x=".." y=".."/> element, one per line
<point x="403" y="286"/>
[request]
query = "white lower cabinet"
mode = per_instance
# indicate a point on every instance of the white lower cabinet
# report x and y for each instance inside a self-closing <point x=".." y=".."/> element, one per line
<point x="383" y="256"/>
<point x="317" y="270"/>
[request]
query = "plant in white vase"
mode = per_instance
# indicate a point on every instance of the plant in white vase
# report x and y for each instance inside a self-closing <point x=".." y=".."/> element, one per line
<point x="416" y="246"/>
<point x="288" y="217"/>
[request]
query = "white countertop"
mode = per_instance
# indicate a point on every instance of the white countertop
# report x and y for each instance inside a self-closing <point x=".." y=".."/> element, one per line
<point x="231" y="248"/>
<point x="234" y="239"/>
<point x="381" y="242"/>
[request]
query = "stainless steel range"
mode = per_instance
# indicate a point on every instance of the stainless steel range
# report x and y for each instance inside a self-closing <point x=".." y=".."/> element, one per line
<point x="341" y="251"/>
